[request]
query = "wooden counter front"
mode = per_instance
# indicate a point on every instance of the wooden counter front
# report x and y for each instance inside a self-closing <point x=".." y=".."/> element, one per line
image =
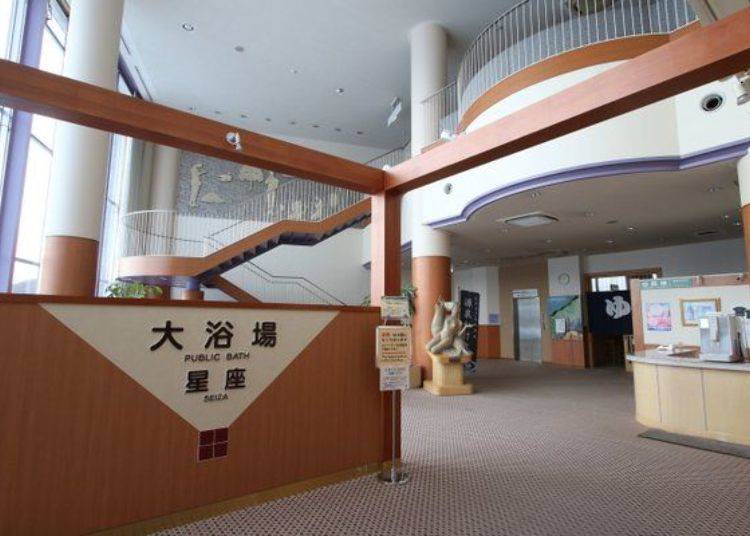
<point x="86" y="447"/>
<point x="692" y="397"/>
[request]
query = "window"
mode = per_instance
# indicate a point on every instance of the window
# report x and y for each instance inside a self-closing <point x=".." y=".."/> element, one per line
<point x="38" y="169"/>
<point x="11" y="28"/>
<point x="619" y="281"/>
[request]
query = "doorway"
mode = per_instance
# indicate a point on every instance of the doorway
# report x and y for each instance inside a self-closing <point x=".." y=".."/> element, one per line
<point x="527" y="329"/>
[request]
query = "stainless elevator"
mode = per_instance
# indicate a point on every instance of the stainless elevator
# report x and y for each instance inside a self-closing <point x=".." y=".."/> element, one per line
<point x="527" y="329"/>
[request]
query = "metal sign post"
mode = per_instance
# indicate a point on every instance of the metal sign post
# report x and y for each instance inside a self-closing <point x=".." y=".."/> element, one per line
<point x="393" y="359"/>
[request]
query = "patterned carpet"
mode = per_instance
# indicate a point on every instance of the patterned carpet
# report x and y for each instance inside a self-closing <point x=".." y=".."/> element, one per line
<point x="537" y="451"/>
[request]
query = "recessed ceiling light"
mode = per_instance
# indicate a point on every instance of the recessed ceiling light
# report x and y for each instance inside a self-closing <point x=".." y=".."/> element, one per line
<point x="359" y="132"/>
<point x="631" y="229"/>
<point x="243" y="116"/>
<point x="337" y="129"/>
<point x="339" y="91"/>
<point x="292" y="122"/>
<point x="268" y="119"/>
<point x="609" y="241"/>
<point x="612" y="222"/>
<point x="188" y="27"/>
<point x="315" y="125"/>
<point x="239" y="48"/>
<point x="293" y="71"/>
<point x="589" y="214"/>
<point x="217" y="112"/>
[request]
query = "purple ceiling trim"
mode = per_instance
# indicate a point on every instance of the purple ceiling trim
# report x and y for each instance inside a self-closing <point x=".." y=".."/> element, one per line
<point x="720" y="153"/>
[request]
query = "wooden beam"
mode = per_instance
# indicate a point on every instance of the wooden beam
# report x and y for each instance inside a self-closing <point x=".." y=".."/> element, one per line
<point x="697" y="58"/>
<point x="36" y="91"/>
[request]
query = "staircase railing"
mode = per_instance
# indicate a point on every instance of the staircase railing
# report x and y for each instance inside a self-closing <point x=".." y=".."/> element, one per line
<point x="391" y="158"/>
<point x="173" y="233"/>
<point x="534" y="30"/>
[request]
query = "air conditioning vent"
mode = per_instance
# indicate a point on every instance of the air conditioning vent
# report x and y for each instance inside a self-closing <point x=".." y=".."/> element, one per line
<point x="535" y="219"/>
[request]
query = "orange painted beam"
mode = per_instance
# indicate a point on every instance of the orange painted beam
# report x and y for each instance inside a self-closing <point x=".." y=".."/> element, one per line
<point x="66" y="99"/>
<point x="696" y="58"/>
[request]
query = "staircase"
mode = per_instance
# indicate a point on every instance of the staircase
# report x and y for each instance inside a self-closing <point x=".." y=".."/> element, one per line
<point x="168" y="248"/>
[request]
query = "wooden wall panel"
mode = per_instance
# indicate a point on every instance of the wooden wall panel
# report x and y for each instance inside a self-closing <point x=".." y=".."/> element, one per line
<point x="488" y="346"/>
<point x="85" y="447"/>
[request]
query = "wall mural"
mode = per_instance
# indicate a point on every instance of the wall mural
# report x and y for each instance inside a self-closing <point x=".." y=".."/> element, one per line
<point x="210" y="186"/>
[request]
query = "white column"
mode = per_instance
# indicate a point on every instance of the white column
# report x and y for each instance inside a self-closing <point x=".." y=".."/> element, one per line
<point x="426" y="241"/>
<point x="743" y="177"/>
<point x="429" y="43"/>
<point x="79" y="166"/>
<point x="165" y="177"/>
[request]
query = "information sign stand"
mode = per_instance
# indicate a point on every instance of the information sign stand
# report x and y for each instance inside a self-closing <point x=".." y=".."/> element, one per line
<point x="393" y="349"/>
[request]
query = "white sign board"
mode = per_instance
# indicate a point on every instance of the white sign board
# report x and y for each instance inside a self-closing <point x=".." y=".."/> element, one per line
<point x="393" y="346"/>
<point x="206" y="364"/>
<point x="394" y="378"/>
<point x="395" y="308"/>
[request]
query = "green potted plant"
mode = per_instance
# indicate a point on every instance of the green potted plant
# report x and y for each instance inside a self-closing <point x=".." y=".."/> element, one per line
<point x="126" y="289"/>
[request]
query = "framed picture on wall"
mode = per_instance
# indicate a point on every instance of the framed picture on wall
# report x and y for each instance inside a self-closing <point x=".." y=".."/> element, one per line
<point x="658" y="317"/>
<point x="693" y="310"/>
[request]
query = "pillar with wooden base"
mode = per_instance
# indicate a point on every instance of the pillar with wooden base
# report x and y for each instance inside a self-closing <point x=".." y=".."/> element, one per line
<point x="80" y="160"/>
<point x="448" y="376"/>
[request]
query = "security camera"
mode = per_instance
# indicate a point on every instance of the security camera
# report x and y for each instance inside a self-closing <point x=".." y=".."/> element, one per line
<point x="743" y="80"/>
<point x="233" y="139"/>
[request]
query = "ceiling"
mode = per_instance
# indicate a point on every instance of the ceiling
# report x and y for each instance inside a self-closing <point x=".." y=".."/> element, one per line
<point x="618" y="213"/>
<point x="294" y="55"/>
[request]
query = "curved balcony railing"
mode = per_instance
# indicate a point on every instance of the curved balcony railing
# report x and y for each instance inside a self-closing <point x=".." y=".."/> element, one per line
<point x="172" y="233"/>
<point x="535" y="30"/>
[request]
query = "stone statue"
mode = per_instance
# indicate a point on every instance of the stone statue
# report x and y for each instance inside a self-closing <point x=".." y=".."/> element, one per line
<point x="196" y="180"/>
<point x="448" y="332"/>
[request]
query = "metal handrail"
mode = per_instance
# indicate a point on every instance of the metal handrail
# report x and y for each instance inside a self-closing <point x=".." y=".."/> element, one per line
<point x="391" y="158"/>
<point x="535" y="30"/>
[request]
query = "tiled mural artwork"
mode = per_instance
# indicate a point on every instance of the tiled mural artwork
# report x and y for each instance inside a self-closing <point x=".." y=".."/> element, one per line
<point x="210" y="186"/>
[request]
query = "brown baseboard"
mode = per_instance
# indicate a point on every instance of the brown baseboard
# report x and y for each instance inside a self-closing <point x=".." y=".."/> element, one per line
<point x="211" y="510"/>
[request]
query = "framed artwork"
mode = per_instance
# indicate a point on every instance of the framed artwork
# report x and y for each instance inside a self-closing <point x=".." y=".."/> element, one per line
<point x="693" y="310"/>
<point x="658" y="317"/>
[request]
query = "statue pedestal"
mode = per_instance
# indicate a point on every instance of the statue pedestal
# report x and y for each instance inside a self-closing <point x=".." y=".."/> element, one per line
<point x="447" y="377"/>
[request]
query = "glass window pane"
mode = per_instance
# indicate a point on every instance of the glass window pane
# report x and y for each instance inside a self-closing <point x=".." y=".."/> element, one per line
<point x="33" y="207"/>
<point x="25" y="278"/>
<point x="11" y="25"/>
<point x="43" y="128"/>
<point x="52" y="54"/>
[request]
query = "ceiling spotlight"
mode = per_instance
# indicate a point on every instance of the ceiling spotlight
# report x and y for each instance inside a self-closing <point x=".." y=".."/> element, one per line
<point x="315" y="125"/>
<point x="239" y="48"/>
<point x="293" y="71"/>
<point x="631" y="229"/>
<point x="292" y="122"/>
<point x="531" y="220"/>
<point x="268" y="120"/>
<point x="609" y="241"/>
<point x="217" y="112"/>
<point x="188" y="27"/>
<point x="744" y="88"/>
<point x="337" y="129"/>
<point x="339" y="91"/>
<point x="243" y="116"/>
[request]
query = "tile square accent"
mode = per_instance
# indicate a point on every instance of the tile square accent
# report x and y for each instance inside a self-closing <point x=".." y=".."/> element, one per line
<point x="221" y="435"/>
<point x="206" y="452"/>
<point x="207" y="437"/>
<point x="221" y="449"/>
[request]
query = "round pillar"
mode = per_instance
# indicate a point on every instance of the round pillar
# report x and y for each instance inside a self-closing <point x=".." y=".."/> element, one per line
<point x="81" y="156"/>
<point x="743" y="177"/>
<point x="428" y="46"/>
<point x="431" y="275"/>
<point x="165" y="176"/>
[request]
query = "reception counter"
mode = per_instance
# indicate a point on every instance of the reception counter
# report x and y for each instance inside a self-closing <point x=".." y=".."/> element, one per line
<point x="688" y="396"/>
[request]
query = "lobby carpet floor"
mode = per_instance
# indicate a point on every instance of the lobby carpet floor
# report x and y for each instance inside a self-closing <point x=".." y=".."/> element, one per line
<point x="536" y="451"/>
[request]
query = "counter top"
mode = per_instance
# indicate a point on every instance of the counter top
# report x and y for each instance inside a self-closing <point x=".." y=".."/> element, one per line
<point x="653" y="357"/>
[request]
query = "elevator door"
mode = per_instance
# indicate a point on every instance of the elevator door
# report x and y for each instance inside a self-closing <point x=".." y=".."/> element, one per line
<point x="528" y="329"/>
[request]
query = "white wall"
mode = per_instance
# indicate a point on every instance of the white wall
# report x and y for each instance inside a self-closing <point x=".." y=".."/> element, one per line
<point x="358" y="153"/>
<point x="564" y="276"/>
<point x="334" y="265"/>
<point x="730" y="296"/>
<point x="485" y="281"/>
<point x="718" y="257"/>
